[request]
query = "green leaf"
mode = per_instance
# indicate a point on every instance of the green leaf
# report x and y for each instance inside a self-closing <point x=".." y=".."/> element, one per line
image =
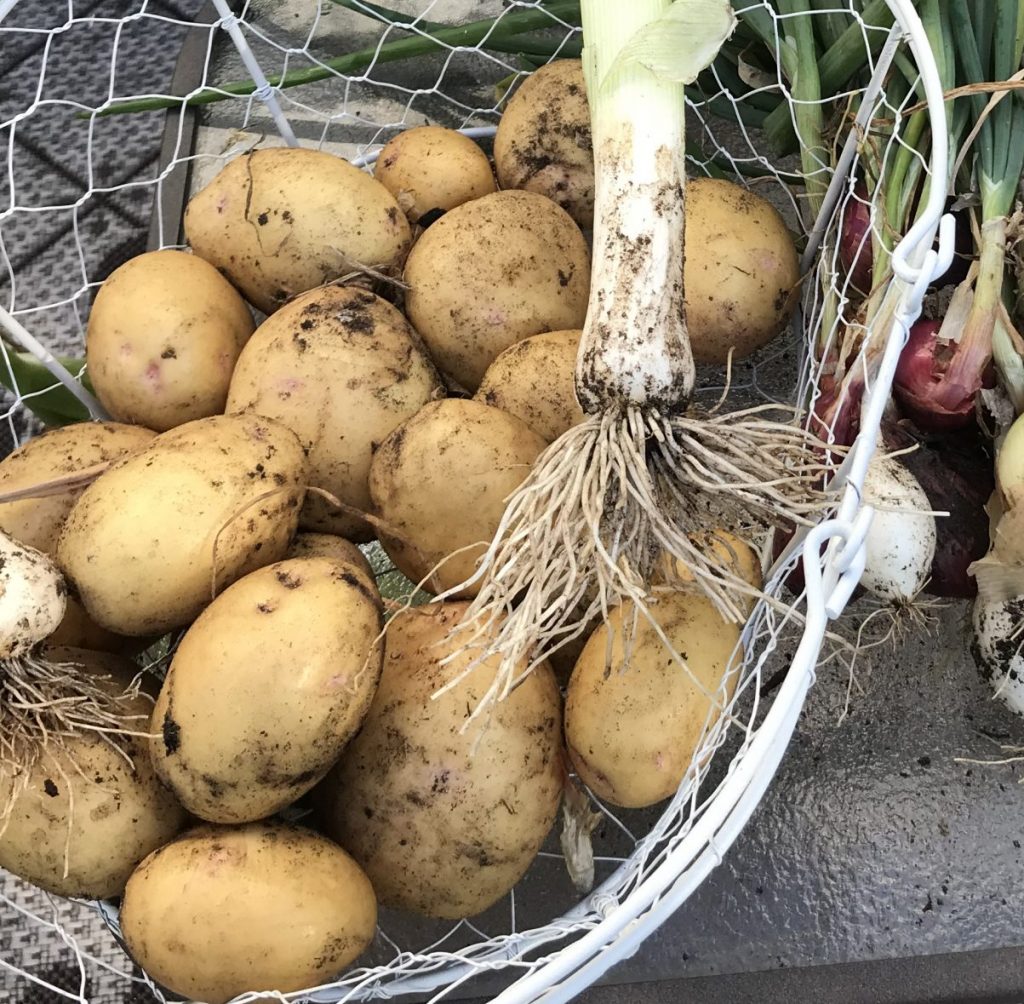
<point x="682" y="42"/>
<point x="51" y="402"/>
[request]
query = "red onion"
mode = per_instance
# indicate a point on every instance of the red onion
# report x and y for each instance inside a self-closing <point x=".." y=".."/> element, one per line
<point x="855" y="251"/>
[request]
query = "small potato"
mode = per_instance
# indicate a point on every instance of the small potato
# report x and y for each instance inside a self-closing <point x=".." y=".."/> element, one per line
<point x="491" y="272"/>
<point x="328" y="545"/>
<point x="633" y="729"/>
<point x="535" y="381"/>
<point x="163" y="337"/>
<point x="440" y="481"/>
<point x="727" y="552"/>
<point x="244" y="725"/>
<point x="446" y="821"/>
<point x="431" y="168"/>
<point x="280" y="221"/>
<point x="544" y="143"/>
<point x="742" y="274"/>
<point x="86" y="801"/>
<point x="150" y="539"/>
<point x="341" y="368"/>
<point x="225" y="910"/>
<point x="65" y="451"/>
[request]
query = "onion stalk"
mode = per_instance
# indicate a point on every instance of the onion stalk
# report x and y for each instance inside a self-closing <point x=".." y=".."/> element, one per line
<point x="605" y="502"/>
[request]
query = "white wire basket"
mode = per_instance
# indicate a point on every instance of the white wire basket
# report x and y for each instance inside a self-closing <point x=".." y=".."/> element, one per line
<point x="542" y="942"/>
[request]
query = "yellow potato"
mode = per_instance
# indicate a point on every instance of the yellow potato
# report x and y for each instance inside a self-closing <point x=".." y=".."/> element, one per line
<point x="248" y="738"/>
<point x="88" y="801"/>
<point x="431" y="168"/>
<point x="328" y="545"/>
<point x="200" y="506"/>
<point x="491" y="272"/>
<point x="224" y="910"/>
<point x="446" y="822"/>
<point x="163" y="337"/>
<point x="341" y="368"/>
<point x="633" y="730"/>
<point x="725" y="551"/>
<point x="56" y="454"/>
<point x="544" y="142"/>
<point x="535" y="381"/>
<point x="280" y="221"/>
<point x="742" y="274"/>
<point x="439" y="482"/>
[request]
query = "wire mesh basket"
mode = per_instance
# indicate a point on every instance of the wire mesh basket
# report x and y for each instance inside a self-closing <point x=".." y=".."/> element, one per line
<point x="112" y="112"/>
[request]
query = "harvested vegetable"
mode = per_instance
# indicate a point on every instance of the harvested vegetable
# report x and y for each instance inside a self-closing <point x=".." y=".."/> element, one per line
<point x="446" y="814"/>
<point x="281" y="221"/>
<point x="327" y="545"/>
<point x="493" y="271"/>
<point x="341" y="368"/>
<point x="249" y="738"/>
<point x="87" y="809"/>
<point x="430" y="170"/>
<point x="202" y="915"/>
<point x="163" y="337"/>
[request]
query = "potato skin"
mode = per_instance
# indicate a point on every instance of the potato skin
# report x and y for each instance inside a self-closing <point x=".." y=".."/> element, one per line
<point x="266" y="688"/>
<point x="493" y="271"/>
<point x="631" y="732"/>
<point x="742" y="274"/>
<point x="329" y="545"/>
<point x="430" y="167"/>
<point x="72" y="448"/>
<point x="163" y="337"/>
<point x="440" y="481"/>
<point x="341" y="368"/>
<point x="544" y="142"/>
<point x="280" y="221"/>
<point x="117" y="814"/>
<point x="224" y="910"/>
<point x="443" y="829"/>
<point x="535" y="380"/>
<point x="139" y="544"/>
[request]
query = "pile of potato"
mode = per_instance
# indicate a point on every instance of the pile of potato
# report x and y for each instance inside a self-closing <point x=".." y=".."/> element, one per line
<point x="416" y="357"/>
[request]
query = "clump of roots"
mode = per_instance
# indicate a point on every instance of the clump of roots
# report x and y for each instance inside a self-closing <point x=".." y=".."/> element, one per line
<point x="607" y="500"/>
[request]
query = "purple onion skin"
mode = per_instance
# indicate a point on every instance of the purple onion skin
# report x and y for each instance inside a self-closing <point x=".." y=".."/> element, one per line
<point x="956" y="471"/>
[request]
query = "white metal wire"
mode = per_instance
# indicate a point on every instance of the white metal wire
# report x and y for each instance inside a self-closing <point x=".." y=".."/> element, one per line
<point x="649" y="867"/>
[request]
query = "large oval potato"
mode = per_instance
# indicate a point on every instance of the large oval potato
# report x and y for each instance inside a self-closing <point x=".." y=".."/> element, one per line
<point x="150" y="539"/>
<point x="341" y="368"/>
<point x="535" y="380"/>
<point x="544" y="142"/>
<point x="244" y="724"/>
<point x="446" y="822"/>
<point x="742" y="273"/>
<point x="223" y="910"/>
<point x="440" y="482"/>
<point x="280" y="221"/>
<point x="68" y="450"/>
<point x="633" y="729"/>
<point x="87" y="802"/>
<point x="163" y="337"/>
<point x="493" y="271"/>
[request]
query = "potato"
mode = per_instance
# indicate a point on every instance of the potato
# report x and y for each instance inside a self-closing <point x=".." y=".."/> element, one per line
<point x="440" y="482"/>
<point x="224" y="910"/>
<point x="491" y="272"/>
<point x="163" y="337"/>
<point x="725" y="550"/>
<point x="544" y="144"/>
<point x="535" y="380"/>
<point x="87" y="801"/>
<point x="280" y="221"/>
<point x="633" y="730"/>
<point x="341" y="368"/>
<point x="430" y="168"/>
<point x="446" y="822"/>
<point x="203" y="504"/>
<point x="55" y="454"/>
<point x="742" y="274"/>
<point x="244" y="725"/>
<point x="327" y="545"/>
